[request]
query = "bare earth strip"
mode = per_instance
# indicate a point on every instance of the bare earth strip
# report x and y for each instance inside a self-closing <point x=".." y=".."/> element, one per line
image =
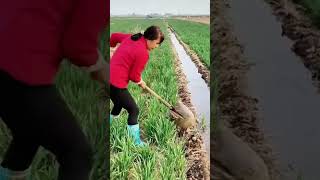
<point x="200" y="19"/>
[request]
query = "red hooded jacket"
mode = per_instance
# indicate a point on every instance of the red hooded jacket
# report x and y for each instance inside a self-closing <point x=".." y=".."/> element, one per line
<point x="128" y="61"/>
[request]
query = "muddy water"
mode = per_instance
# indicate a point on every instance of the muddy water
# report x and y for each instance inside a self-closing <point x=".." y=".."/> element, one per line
<point x="200" y="94"/>
<point x="288" y="102"/>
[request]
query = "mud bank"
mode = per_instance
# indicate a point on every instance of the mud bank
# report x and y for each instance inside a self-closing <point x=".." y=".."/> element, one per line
<point x="298" y="27"/>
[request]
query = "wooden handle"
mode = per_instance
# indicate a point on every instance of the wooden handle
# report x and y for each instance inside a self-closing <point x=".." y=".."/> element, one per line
<point x="158" y="97"/>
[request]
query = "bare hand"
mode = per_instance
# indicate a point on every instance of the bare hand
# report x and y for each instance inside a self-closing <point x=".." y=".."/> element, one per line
<point x="142" y="84"/>
<point x="113" y="50"/>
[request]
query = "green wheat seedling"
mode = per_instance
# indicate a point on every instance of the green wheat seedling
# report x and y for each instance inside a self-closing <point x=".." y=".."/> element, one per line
<point x="196" y="35"/>
<point x="164" y="157"/>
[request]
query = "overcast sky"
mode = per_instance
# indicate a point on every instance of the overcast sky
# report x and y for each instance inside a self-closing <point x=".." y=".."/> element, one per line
<point x="123" y="7"/>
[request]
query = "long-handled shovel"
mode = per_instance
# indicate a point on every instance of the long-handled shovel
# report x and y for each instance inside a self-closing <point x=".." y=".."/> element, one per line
<point x="184" y="117"/>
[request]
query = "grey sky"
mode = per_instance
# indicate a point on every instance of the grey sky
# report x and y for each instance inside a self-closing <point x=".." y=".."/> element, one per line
<point x="121" y="7"/>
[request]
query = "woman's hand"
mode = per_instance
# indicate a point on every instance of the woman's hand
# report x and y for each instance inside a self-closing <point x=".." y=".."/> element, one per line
<point x="142" y="84"/>
<point x="113" y="49"/>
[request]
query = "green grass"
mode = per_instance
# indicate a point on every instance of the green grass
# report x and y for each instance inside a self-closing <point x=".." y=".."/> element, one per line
<point x="165" y="157"/>
<point x="80" y="93"/>
<point x="196" y="35"/>
<point x="313" y="9"/>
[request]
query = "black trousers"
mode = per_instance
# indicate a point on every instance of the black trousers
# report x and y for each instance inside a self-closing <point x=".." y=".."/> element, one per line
<point x="122" y="98"/>
<point x="38" y="116"/>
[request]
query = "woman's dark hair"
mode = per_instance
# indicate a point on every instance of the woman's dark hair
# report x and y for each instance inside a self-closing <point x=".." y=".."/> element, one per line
<point x="151" y="33"/>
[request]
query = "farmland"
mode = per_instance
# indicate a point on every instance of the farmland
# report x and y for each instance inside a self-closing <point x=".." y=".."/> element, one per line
<point x="195" y="35"/>
<point x="166" y="149"/>
<point x="200" y="19"/>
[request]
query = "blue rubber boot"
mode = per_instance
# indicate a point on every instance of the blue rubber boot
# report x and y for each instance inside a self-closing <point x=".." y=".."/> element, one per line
<point x="6" y="174"/>
<point x="134" y="131"/>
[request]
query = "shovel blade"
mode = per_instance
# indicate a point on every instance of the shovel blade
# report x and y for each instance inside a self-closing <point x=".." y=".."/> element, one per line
<point x="185" y="119"/>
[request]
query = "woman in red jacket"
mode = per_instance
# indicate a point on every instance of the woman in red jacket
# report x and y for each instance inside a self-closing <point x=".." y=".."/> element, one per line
<point x="127" y="64"/>
<point x="35" y="36"/>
